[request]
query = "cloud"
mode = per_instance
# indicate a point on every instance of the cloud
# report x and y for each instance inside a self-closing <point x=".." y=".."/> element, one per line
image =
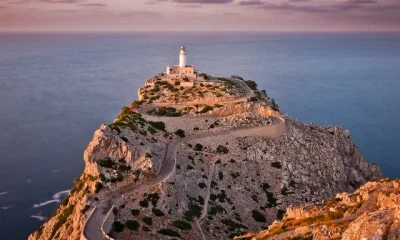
<point x="189" y="5"/>
<point x="251" y="3"/>
<point x="299" y="1"/>
<point x="191" y="1"/>
<point x="360" y="5"/>
<point x="93" y="5"/>
<point x="363" y="1"/>
<point x="60" y="1"/>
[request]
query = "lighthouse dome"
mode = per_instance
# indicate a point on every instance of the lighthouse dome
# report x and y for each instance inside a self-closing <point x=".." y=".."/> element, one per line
<point x="183" y="50"/>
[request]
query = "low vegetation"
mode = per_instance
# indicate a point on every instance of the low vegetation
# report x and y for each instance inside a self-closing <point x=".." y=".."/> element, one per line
<point x="148" y="220"/>
<point x="169" y="232"/>
<point x="180" y="133"/>
<point x="198" y="147"/>
<point x="276" y="165"/>
<point x="132" y="224"/>
<point x="118" y="226"/>
<point x="181" y="224"/>
<point x="166" y="111"/>
<point x="222" y="149"/>
<point x="193" y="211"/>
<point x="258" y="217"/>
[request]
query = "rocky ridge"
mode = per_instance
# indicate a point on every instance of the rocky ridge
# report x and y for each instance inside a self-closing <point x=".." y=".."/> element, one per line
<point x="370" y="212"/>
<point x="222" y="186"/>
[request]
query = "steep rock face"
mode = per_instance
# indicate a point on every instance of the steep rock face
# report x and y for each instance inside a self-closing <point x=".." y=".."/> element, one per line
<point x="370" y="212"/>
<point x="317" y="162"/>
<point x="125" y="144"/>
<point x="251" y="183"/>
<point x="122" y="148"/>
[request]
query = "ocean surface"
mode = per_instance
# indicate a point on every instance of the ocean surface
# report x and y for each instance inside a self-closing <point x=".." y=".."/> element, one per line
<point x="56" y="89"/>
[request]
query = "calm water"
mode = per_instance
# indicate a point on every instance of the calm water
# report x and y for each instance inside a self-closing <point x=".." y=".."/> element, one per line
<point x="56" y="89"/>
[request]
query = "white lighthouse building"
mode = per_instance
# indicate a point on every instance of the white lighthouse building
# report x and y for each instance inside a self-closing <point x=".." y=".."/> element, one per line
<point x="182" y="57"/>
<point x="181" y="70"/>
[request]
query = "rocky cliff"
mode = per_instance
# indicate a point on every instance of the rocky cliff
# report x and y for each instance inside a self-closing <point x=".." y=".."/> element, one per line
<point x="237" y="166"/>
<point x="370" y="212"/>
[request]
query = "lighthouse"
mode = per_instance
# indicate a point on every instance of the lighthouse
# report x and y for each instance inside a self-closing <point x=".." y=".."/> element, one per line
<point x="182" y="57"/>
<point x="182" y="70"/>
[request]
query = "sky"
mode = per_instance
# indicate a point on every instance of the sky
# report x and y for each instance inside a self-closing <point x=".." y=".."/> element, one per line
<point x="200" y="15"/>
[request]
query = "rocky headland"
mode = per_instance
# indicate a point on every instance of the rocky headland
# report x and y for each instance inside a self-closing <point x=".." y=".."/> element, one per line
<point x="214" y="159"/>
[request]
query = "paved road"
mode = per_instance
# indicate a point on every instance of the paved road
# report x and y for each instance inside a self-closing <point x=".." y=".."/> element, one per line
<point x="93" y="228"/>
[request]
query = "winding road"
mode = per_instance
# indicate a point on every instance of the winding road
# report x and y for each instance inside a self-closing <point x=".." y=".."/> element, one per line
<point x="93" y="229"/>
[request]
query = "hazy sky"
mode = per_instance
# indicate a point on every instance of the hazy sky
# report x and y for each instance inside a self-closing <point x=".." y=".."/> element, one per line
<point x="200" y="15"/>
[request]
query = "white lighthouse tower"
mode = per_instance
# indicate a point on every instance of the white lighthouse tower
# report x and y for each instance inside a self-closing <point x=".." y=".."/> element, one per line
<point x="182" y="70"/>
<point x="182" y="57"/>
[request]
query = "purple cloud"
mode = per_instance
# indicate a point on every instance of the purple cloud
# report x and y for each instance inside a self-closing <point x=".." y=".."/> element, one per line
<point x="363" y="1"/>
<point x="361" y="5"/>
<point x="60" y="1"/>
<point x="251" y="3"/>
<point x="93" y="5"/>
<point x="191" y="1"/>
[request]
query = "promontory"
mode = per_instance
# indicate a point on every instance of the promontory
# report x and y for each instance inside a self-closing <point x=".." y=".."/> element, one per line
<point x="205" y="157"/>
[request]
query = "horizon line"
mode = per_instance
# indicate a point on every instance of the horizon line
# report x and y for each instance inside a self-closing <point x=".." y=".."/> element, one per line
<point x="200" y="31"/>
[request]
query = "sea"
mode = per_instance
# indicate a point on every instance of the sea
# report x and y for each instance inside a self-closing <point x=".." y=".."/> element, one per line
<point x="56" y="89"/>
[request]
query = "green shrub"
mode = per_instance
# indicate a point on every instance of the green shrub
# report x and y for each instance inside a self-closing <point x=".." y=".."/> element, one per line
<point x="153" y="197"/>
<point x="145" y="229"/>
<point x="251" y="84"/>
<point x="276" y="165"/>
<point x="280" y="214"/>
<point x="202" y="185"/>
<point x="284" y="191"/>
<point x="106" y="163"/>
<point x="180" y="133"/>
<point x="166" y="111"/>
<point x="274" y="106"/>
<point x="233" y="224"/>
<point x="157" y="125"/>
<point x="151" y="130"/>
<point x="148" y="220"/>
<point x="98" y="186"/>
<point x="85" y="208"/>
<point x="258" y="217"/>
<point x="253" y="99"/>
<point x="271" y="199"/>
<point x="132" y="224"/>
<point x="169" y="232"/>
<point x="205" y="109"/>
<point x="198" y="147"/>
<point x="221" y="176"/>
<point x="265" y="186"/>
<point x="144" y="203"/>
<point x="193" y="211"/>
<point x="157" y="212"/>
<point x="214" y="209"/>
<point x="118" y="227"/>
<point x="222" y="149"/>
<point x="135" y="212"/>
<point x="181" y="224"/>
<point x="124" y="168"/>
<point x="125" y="139"/>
